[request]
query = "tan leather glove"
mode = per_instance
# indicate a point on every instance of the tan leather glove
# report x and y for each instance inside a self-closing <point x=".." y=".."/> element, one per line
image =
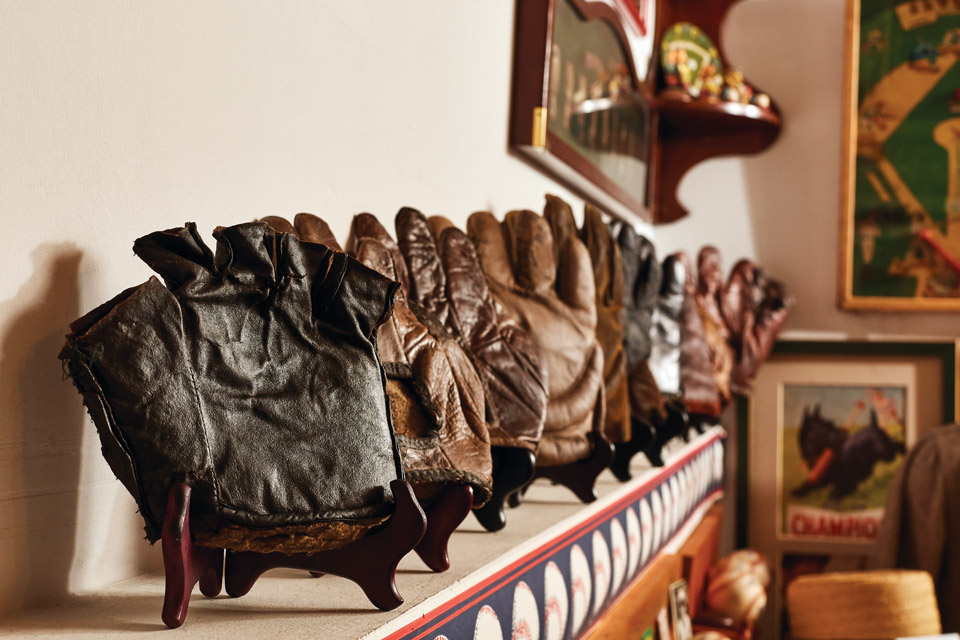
<point x="608" y="279"/>
<point x="709" y="286"/>
<point x="441" y="438"/>
<point x="555" y="300"/>
<point x="446" y="282"/>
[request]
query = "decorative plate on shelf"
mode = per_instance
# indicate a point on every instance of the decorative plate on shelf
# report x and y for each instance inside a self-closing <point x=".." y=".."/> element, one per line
<point x="688" y="56"/>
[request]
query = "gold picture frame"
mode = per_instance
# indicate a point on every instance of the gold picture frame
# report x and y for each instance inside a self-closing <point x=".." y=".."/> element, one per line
<point x="900" y="190"/>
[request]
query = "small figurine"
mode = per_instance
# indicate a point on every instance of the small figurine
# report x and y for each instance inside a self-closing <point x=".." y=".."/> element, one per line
<point x="736" y="89"/>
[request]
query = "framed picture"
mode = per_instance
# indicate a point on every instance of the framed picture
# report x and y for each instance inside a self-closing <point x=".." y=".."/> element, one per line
<point x="821" y="440"/>
<point x="580" y="109"/>
<point x="680" y="610"/>
<point x="900" y="210"/>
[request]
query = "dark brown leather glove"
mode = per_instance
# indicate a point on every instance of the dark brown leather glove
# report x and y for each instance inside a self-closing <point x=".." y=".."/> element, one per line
<point x="253" y="375"/>
<point x="555" y="300"/>
<point x="436" y="396"/>
<point x="447" y="283"/>
<point x="608" y="279"/>
<point x="709" y="286"/>
<point x="754" y="309"/>
<point x="700" y="394"/>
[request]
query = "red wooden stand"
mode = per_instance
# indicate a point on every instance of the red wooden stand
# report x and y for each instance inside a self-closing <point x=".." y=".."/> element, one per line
<point x="581" y="476"/>
<point x="444" y="515"/>
<point x="512" y="469"/>
<point x="371" y="561"/>
<point x="185" y="564"/>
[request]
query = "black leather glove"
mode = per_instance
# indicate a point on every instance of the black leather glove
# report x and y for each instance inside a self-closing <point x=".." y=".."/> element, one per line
<point x="252" y="374"/>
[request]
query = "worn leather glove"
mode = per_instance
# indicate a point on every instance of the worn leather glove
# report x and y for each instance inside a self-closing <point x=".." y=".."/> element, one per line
<point x="447" y="283"/>
<point x="555" y="300"/>
<point x="754" y="309"/>
<point x="253" y="375"/>
<point x="709" y="286"/>
<point x="700" y="394"/>
<point x="608" y="279"/>
<point x="436" y="396"/>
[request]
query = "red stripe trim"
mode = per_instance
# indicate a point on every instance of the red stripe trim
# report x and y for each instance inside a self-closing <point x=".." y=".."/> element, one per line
<point x="547" y="549"/>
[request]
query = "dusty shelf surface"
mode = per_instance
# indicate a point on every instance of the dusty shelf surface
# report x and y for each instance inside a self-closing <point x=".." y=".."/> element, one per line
<point x="291" y="604"/>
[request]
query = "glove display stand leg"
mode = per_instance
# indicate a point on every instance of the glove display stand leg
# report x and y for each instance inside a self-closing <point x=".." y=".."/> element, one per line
<point x="581" y="476"/>
<point x="184" y="564"/>
<point x="513" y="468"/>
<point x="371" y="561"/>
<point x="444" y="515"/>
<point x="643" y="437"/>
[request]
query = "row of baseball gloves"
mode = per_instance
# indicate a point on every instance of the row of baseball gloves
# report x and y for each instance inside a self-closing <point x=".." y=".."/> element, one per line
<point x="289" y="381"/>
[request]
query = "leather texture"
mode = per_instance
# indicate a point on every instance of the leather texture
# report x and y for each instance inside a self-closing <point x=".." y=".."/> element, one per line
<point x="540" y="275"/>
<point x="754" y="309"/>
<point x="437" y="395"/>
<point x="709" y="288"/>
<point x="647" y="344"/>
<point x="701" y="396"/>
<point x="608" y="279"/>
<point x="447" y="284"/>
<point x="253" y="374"/>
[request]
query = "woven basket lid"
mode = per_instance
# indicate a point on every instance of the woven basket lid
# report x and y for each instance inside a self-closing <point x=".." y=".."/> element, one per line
<point x="863" y="605"/>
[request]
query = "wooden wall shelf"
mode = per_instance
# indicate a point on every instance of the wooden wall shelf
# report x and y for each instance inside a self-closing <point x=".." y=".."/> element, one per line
<point x="555" y="96"/>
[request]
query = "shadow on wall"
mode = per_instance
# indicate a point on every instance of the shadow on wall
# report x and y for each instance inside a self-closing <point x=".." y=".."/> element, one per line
<point x="41" y="426"/>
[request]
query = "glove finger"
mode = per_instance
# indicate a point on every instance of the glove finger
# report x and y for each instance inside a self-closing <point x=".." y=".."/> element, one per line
<point x="371" y="253"/>
<point x="311" y="228"/>
<point x="596" y="237"/>
<point x="649" y="275"/>
<point x="178" y="255"/>
<point x="472" y="310"/>
<point x="629" y="242"/>
<point x="559" y="215"/>
<point x="575" y="277"/>
<point x="278" y="224"/>
<point x="709" y="270"/>
<point x="366" y="225"/>
<point x="438" y="224"/>
<point x="490" y="239"/>
<point x="428" y="284"/>
<point x="531" y="250"/>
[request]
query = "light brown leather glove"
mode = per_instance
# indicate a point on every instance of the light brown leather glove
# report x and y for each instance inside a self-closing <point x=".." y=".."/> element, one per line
<point x="709" y="286"/>
<point x="441" y="438"/>
<point x="555" y="300"/>
<point x="446" y="282"/>
<point x="608" y="279"/>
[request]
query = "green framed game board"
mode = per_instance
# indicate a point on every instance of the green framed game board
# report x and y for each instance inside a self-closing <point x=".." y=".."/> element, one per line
<point x="900" y="221"/>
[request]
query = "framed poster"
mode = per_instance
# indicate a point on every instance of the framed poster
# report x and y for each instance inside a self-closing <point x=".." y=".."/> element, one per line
<point x="580" y="108"/>
<point x="900" y="209"/>
<point x="823" y="436"/>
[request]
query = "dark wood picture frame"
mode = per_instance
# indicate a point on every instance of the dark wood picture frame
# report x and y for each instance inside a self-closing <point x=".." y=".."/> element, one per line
<point x="530" y="133"/>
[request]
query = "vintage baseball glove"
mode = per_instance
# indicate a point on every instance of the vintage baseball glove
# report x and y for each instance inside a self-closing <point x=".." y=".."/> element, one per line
<point x="253" y="375"/>
<point x="539" y="273"/>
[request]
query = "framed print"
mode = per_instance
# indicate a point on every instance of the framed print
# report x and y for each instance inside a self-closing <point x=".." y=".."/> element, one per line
<point x="680" y="610"/>
<point x="821" y="440"/>
<point x="580" y="109"/>
<point x="900" y="210"/>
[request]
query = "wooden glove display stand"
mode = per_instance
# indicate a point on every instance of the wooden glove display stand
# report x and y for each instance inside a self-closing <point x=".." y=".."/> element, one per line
<point x="371" y="561"/>
<point x="513" y="469"/>
<point x="581" y="476"/>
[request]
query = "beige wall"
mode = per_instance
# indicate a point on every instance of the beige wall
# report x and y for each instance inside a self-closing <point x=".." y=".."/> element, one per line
<point x="118" y="118"/>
